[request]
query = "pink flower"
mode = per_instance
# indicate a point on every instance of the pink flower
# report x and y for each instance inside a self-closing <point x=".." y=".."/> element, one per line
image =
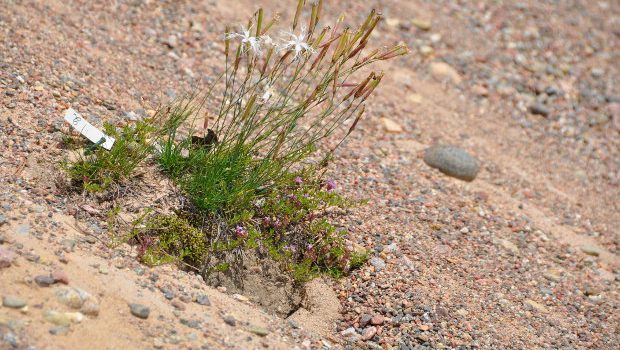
<point x="291" y="247"/>
<point x="241" y="232"/>
<point x="331" y="184"/>
<point x="299" y="180"/>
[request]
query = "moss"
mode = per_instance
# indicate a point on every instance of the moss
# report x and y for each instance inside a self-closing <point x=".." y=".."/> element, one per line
<point x="169" y="238"/>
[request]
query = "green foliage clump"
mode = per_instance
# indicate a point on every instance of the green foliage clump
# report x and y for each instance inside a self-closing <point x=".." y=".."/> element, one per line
<point x="278" y="102"/>
<point x="97" y="169"/>
<point x="223" y="182"/>
<point x="252" y="171"/>
<point x="169" y="238"/>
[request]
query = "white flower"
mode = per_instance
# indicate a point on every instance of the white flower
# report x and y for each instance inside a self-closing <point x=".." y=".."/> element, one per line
<point x="268" y="91"/>
<point x="297" y="43"/>
<point x="246" y="38"/>
<point x="266" y="40"/>
<point x="266" y="95"/>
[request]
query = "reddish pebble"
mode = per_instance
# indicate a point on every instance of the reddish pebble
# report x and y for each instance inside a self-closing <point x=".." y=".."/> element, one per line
<point x="60" y="276"/>
<point x="424" y="327"/>
<point x="6" y="257"/>
<point x="369" y="333"/>
<point x="481" y="196"/>
<point x="178" y="304"/>
<point x="376" y="320"/>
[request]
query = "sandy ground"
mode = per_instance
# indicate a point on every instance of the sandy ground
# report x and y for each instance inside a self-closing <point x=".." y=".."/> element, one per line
<point x="523" y="257"/>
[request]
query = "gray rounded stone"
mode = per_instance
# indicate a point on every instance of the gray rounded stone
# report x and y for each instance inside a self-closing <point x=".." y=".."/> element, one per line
<point x="452" y="161"/>
<point x="139" y="310"/>
<point x="13" y="302"/>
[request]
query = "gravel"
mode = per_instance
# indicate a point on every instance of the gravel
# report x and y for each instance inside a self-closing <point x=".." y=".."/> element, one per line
<point x="487" y="288"/>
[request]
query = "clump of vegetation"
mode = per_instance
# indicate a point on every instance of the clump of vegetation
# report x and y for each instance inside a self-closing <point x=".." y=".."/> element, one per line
<point x="252" y="160"/>
<point x="169" y="238"/>
<point x="279" y="102"/>
<point x="290" y="226"/>
<point x="96" y="169"/>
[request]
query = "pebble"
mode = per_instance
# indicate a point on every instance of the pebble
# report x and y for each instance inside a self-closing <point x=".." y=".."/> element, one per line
<point x="535" y="305"/>
<point x="508" y="245"/>
<point x="6" y="257"/>
<point x="190" y="323"/>
<point x="171" y="41"/>
<point x="463" y="312"/>
<point x="392" y="22"/>
<point x="139" y="310"/>
<point x="426" y="50"/>
<point x="391" y="126"/>
<point x="3" y="220"/>
<point x="44" y="280"/>
<point x="168" y="294"/>
<point x="591" y="291"/>
<point x="391" y="248"/>
<point x="60" y="276"/>
<point x="597" y="73"/>
<point x="590" y="250"/>
<point x="422" y="24"/>
<point x="373" y="346"/>
<point x="68" y="245"/>
<point x="415" y="98"/>
<point x="378" y="263"/>
<point x="539" y="109"/>
<point x="158" y="343"/>
<point x="62" y="318"/>
<point x="552" y="275"/>
<point x="230" y="320"/>
<point x="369" y="333"/>
<point x="178" y="305"/>
<point x="377" y="320"/>
<point x="258" y="330"/>
<point x="480" y="91"/>
<point x="203" y="299"/>
<point x="348" y="332"/>
<point x="452" y="161"/>
<point x="442" y="70"/>
<point x="13" y="302"/>
<point x="132" y="116"/>
<point x="59" y="330"/>
<point x="240" y="297"/>
<point x="365" y="320"/>
<point x="90" y="307"/>
<point x="78" y="299"/>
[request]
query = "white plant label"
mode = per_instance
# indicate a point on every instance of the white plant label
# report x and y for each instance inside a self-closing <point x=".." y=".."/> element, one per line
<point x="87" y="129"/>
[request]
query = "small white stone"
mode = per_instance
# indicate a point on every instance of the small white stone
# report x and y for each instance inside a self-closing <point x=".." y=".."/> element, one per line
<point x="391" y="126"/>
